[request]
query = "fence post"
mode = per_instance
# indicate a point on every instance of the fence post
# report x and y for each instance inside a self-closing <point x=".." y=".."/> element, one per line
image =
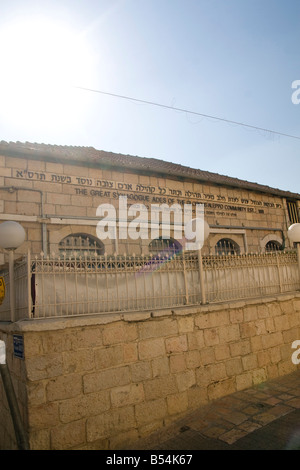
<point x="185" y="279"/>
<point x="11" y="285"/>
<point x="298" y="258"/>
<point x="21" y="436"/>
<point x="279" y="273"/>
<point x="201" y="277"/>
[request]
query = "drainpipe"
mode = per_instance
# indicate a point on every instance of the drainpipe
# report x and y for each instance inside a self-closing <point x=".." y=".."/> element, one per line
<point x="12" y="189"/>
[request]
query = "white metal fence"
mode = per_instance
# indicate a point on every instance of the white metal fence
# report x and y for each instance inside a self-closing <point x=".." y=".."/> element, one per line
<point x="61" y="286"/>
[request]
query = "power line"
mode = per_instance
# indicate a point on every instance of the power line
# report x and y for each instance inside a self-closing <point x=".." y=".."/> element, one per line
<point x="152" y="103"/>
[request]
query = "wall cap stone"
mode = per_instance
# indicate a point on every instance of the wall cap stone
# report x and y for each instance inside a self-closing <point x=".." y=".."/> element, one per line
<point x="50" y="324"/>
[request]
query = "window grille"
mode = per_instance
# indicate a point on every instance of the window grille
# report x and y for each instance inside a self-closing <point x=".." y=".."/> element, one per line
<point x="293" y="212"/>
<point x="80" y="245"/>
<point x="273" y="245"/>
<point x="163" y="245"/>
<point x="226" y="246"/>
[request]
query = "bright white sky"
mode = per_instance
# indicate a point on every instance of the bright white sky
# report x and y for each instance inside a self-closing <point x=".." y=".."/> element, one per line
<point x="233" y="59"/>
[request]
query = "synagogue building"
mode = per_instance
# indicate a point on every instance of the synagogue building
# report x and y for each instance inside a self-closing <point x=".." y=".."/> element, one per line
<point x="55" y="192"/>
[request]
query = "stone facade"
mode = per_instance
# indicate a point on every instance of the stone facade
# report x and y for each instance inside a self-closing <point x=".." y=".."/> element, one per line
<point x="53" y="199"/>
<point x="103" y="382"/>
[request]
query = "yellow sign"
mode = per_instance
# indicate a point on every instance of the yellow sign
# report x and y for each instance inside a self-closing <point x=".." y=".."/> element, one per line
<point x="2" y="289"/>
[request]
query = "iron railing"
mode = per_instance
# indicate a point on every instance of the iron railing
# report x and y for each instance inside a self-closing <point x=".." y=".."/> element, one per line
<point x="58" y="286"/>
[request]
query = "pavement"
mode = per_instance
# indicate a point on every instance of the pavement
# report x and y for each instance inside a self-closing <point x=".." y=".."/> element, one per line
<point x="264" y="417"/>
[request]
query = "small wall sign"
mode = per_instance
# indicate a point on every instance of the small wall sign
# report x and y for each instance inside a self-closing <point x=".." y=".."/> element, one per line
<point x="18" y="346"/>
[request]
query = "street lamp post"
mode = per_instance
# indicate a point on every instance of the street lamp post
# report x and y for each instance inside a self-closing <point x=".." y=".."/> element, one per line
<point x="200" y="261"/>
<point x="294" y="236"/>
<point x="191" y="231"/>
<point x="12" y="235"/>
<point x="21" y="436"/>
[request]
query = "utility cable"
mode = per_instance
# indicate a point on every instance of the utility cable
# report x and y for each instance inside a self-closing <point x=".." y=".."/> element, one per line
<point x="152" y="103"/>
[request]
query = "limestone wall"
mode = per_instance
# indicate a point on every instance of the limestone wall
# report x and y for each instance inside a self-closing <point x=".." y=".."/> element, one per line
<point x="103" y="382"/>
<point x="65" y="199"/>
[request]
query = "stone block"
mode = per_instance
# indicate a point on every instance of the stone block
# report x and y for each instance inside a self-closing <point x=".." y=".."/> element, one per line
<point x="229" y="333"/>
<point x="207" y="356"/>
<point x="290" y="335"/>
<point x="108" y="357"/>
<point x="177" y="403"/>
<point x="151" y="348"/>
<point x="110" y="423"/>
<point x="221" y="389"/>
<point x="140" y="371"/>
<point x="157" y="328"/>
<point x="44" y="367"/>
<point x="68" y="435"/>
<point x="256" y="343"/>
<point x="176" y="344"/>
<point x="130" y="352"/>
<point x="248" y="329"/>
<point x="193" y="359"/>
<point x="203" y="321"/>
<point x="287" y="307"/>
<point x="272" y="371"/>
<point x="222" y="351"/>
<point x="249" y="362"/>
<point x="84" y="406"/>
<point x="220" y="318"/>
<point x="35" y="392"/>
<point x="106" y="379"/>
<point x="263" y="358"/>
<point x="260" y="327"/>
<point x="272" y="339"/>
<point x="159" y="387"/>
<point x="270" y="325"/>
<point x="250" y="313"/>
<point x="119" y="333"/>
<point x="244" y="381"/>
<point x="282" y="323"/>
<point x="185" y="324"/>
<point x="78" y="361"/>
<point x="160" y="366"/>
<point x="234" y="367"/>
<point x="217" y="372"/>
<point x="263" y="311"/>
<point x="150" y="411"/>
<point x="286" y="367"/>
<point x="177" y="363"/>
<point x="127" y="395"/>
<point x="196" y="340"/>
<point x="43" y="416"/>
<point x="64" y="387"/>
<point x="211" y="336"/>
<point x="185" y="380"/>
<point x="236" y="315"/>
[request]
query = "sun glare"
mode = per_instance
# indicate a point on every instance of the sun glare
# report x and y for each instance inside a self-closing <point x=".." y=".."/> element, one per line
<point x="41" y="61"/>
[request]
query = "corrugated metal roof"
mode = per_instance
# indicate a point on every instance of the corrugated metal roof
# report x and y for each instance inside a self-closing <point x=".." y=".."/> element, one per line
<point x="89" y="156"/>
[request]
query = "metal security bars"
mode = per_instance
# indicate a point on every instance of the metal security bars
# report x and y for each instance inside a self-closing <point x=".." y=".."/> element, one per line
<point x="63" y="286"/>
<point x="293" y="212"/>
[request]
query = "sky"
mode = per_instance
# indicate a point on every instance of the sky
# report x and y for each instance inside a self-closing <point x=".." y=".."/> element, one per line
<point x="206" y="64"/>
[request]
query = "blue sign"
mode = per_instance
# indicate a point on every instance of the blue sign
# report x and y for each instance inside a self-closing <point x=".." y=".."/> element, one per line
<point x="18" y="346"/>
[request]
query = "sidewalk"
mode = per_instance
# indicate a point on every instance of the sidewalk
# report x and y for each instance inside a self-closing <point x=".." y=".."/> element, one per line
<point x="265" y="417"/>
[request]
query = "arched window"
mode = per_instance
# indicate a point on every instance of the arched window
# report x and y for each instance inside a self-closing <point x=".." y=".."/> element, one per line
<point x="226" y="246"/>
<point x="81" y="244"/>
<point x="164" y="246"/>
<point x="273" y="245"/>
